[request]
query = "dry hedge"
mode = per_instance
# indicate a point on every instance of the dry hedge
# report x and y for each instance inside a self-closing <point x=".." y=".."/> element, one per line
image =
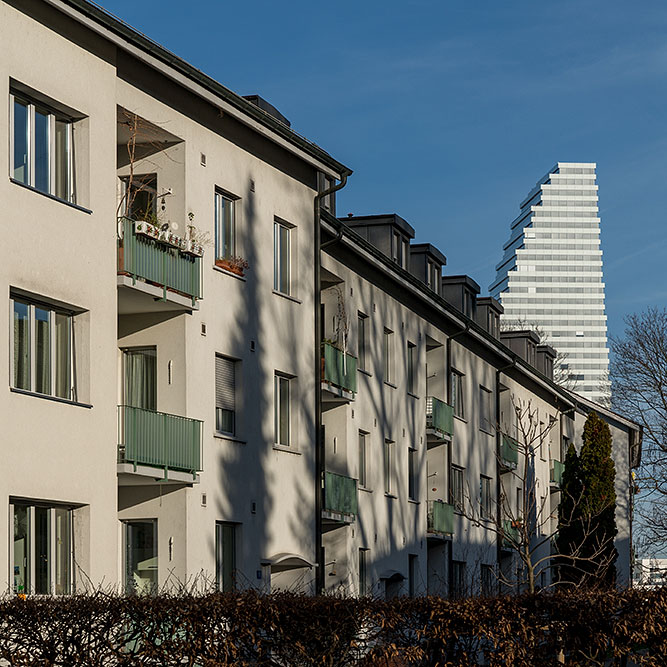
<point x="284" y="629"/>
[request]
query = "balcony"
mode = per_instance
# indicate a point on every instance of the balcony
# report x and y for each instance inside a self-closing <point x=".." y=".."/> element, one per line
<point x="439" y="518"/>
<point x="439" y="420"/>
<point x="340" y="500"/>
<point x="556" y="476"/>
<point x="154" y="275"/>
<point x="156" y="445"/>
<point x="339" y="374"/>
<point x="509" y="452"/>
<point x="510" y="538"/>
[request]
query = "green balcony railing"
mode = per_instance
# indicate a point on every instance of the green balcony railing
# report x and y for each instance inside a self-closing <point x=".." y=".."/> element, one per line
<point x="340" y="493"/>
<point x="339" y="369"/>
<point x="158" y="439"/>
<point x="509" y="450"/>
<point x="557" y="472"/>
<point x="440" y="517"/>
<point x="510" y="534"/>
<point x="439" y="415"/>
<point x="146" y="258"/>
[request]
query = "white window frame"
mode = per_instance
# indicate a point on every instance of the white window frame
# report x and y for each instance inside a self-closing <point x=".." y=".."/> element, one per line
<point x="411" y="367"/>
<point x="231" y="201"/>
<point x="413" y="474"/>
<point x="30" y="565"/>
<point x="277" y="378"/>
<point x="388" y="355"/>
<point x="457" y="381"/>
<point x="457" y="492"/>
<point x="485" y="409"/>
<point x="363" y="460"/>
<point x="389" y="466"/>
<point x="485" y="498"/>
<point x="277" y="263"/>
<point x="362" y="341"/>
<point x="52" y="117"/>
<point x="32" y="304"/>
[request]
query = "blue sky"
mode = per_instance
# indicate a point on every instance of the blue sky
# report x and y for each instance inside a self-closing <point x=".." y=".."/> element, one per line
<point x="449" y="111"/>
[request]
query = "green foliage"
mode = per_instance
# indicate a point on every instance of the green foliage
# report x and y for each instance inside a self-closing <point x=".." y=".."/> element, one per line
<point x="586" y="514"/>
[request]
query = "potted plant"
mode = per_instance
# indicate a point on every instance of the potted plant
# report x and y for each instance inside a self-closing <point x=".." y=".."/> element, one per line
<point x="236" y="265"/>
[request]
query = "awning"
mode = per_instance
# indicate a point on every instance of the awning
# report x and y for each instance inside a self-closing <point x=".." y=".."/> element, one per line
<point x="287" y="561"/>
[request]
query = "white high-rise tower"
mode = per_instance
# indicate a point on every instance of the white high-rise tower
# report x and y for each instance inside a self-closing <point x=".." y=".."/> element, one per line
<point x="551" y="276"/>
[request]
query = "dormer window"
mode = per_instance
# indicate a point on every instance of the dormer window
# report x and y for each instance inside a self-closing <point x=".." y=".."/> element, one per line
<point x="432" y="276"/>
<point x="399" y="250"/>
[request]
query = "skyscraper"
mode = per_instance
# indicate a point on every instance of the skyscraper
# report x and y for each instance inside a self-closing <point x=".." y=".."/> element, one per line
<point x="550" y="276"/>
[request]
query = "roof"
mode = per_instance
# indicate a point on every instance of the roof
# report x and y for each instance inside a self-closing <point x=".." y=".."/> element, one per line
<point x="128" y="37"/>
<point x="380" y="219"/>
<point x="428" y="249"/>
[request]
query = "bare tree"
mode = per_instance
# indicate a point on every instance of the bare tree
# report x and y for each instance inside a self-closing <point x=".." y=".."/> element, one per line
<point x="639" y="380"/>
<point x="522" y="516"/>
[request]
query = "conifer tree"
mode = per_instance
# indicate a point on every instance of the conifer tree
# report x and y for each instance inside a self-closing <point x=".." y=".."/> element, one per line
<point x="587" y="523"/>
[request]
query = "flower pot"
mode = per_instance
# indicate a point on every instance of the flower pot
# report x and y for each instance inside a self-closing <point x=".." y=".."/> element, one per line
<point x="228" y="266"/>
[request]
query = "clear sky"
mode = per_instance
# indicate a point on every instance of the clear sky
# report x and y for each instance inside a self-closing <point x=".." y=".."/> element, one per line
<point x="449" y="111"/>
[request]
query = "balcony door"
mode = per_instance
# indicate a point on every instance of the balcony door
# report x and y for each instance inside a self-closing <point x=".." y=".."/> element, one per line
<point x="141" y="556"/>
<point x="140" y="378"/>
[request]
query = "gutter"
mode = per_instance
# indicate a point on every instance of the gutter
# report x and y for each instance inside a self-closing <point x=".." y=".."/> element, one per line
<point x="319" y="440"/>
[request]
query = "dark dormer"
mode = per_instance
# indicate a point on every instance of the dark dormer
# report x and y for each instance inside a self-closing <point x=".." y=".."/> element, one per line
<point x="390" y="234"/>
<point x="461" y="292"/>
<point x="488" y="315"/>
<point x="546" y="356"/>
<point x="268" y="107"/>
<point x="426" y="263"/>
<point x="524" y="343"/>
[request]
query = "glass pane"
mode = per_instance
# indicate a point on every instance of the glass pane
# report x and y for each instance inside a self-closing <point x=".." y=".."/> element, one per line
<point x="42" y="351"/>
<point x="284" y="433"/>
<point x="63" y="151"/>
<point x="63" y="549"/>
<point x="21" y="549"/>
<point x="284" y="260"/>
<point x="63" y="355"/>
<point x="224" y="226"/>
<point x="141" y="558"/>
<point x="21" y="345"/>
<point x="362" y="460"/>
<point x="42" y="551"/>
<point x="225" y="549"/>
<point x="21" y="171"/>
<point x="41" y="145"/>
<point x="224" y="420"/>
<point x="141" y="379"/>
<point x="361" y="351"/>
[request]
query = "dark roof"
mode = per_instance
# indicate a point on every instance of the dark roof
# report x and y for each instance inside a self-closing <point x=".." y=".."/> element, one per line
<point x="427" y="248"/>
<point x="380" y="219"/>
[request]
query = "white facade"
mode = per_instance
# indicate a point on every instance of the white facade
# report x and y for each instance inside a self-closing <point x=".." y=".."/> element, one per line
<point x="550" y="275"/>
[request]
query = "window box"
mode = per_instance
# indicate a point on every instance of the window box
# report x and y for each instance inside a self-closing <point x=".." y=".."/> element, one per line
<point x="236" y="265"/>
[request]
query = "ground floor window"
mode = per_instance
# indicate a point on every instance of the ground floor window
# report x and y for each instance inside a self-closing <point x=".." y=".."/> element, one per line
<point x="458" y="578"/>
<point x="141" y="556"/>
<point x="42" y="548"/>
<point x="225" y="556"/>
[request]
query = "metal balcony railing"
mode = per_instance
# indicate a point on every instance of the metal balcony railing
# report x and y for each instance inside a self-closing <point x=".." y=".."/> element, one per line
<point x="440" y="517"/>
<point x="340" y="494"/>
<point x="145" y="258"/>
<point x="509" y="451"/>
<point x="339" y="369"/>
<point x="159" y="440"/>
<point x="439" y="415"/>
<point x="557" y="473"/>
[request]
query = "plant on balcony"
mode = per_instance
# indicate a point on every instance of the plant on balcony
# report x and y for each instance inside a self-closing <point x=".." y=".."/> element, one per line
<point x="237" y="265"/>
<point x="196" y="240"/>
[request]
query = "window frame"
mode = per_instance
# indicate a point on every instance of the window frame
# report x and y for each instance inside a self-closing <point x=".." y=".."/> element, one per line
<point x="456" y="491"/>
<point x="364" y="588"/>
<point x="235" y="363"/>
<point x="389" y="466"/>
<point x="363" y="460"/>
<point x="457" y="388"/>
<point x="362" y="341"/>
<point x="388" y="355"/>
<point x="411" y="367"/>
<point x="220" y="527"/>
<point x="232" y="200"/>
<point x="53" y="116"/>
<point x="278" y="269"/>
<point x="53" y="312"/>
<point x="485" y="498"/>
<point x="413" y="468"/>
<point x="279" y="377"/>
<point x="485" y="409"/>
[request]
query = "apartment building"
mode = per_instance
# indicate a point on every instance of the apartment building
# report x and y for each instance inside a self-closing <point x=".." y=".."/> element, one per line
<point x="192" y="400"/>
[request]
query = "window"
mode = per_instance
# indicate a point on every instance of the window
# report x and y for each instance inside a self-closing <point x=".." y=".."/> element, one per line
<point x="141" y="556"/>
<point x="225" y="395"/>
<point x="42" y="349"/>
<point x="487" y="577"/>
<point x="140" y="197"/>
<point x="140" y="378"/>
<point x="389" y="464"/>
<point x="364" y="588"/>
<point x="457" y="394"/>
<point x="363" y="460"/>
<point x="456" y="490"/>
<point x="41" y="148"/>
<point x="458" y="578"/>
<point x="485" y="422"/>
<point x="225" y="226"/>
<point x="413" y="570"/>
<point x="411" y="358"/>
<point x="412" y="474"/>
<point x="362" y="341"/>
<point x="282" y="410"/>
<point x="225" y="556"/>
<point x="281" y="257"/>
<point x="400" y="250"/>
<point x="433" y="276"/>
<point x="388" y="355"/>
<point x="41" y="548"/>
<point x="519" y="502"/>
<point x="485" y="499"/>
